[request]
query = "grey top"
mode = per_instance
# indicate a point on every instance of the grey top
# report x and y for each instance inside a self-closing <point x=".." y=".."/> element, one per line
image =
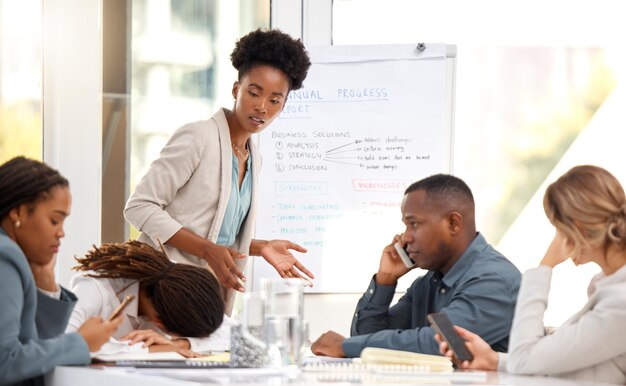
<point x="478" y="293"/>
<point x="590" y="346"/>
<point x="32" y="341"/>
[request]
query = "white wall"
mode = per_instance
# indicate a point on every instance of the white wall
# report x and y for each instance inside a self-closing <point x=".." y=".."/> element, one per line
<point x="72" y="116"/>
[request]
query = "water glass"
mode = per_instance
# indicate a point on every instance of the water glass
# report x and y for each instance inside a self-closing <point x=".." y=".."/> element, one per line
<point x="284" y="326"/>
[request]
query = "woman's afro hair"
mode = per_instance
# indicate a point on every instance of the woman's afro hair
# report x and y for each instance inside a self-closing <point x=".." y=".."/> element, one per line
<point x="274" y="48"/>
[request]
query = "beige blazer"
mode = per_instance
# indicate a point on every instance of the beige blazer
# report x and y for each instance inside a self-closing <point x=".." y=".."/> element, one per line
<point x="590" y="346"/>
<point x="189" y="186"/>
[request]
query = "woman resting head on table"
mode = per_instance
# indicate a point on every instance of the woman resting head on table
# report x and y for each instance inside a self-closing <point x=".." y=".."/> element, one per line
<point x="34" y="203"/>
<point x="170" y="299"/>
<point x="587" y="207"/>
<point x="179" y="300"/>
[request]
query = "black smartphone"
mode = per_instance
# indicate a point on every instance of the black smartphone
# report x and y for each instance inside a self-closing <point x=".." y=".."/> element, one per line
<point x="443" y="326"/>
<point x="403" y="255"/>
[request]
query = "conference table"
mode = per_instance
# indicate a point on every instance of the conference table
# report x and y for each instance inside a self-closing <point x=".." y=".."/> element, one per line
<point x="125" y="376"/>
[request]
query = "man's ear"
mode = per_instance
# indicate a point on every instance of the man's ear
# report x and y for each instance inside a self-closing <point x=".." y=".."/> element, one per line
<point x="455" y="222"/>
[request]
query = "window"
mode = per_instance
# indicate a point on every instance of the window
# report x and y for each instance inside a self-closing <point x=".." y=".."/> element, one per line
<point x="20" y="79"/>
<point x="166" y="63"/>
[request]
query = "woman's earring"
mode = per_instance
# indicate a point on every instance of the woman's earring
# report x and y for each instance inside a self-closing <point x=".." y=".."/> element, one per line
<point x="17" y="223"/>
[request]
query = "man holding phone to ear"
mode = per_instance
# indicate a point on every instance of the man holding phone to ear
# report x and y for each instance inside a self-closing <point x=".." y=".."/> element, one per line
<point x="467" y="278"/>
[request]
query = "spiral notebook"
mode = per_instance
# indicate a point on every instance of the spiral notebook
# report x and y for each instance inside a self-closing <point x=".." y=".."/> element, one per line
<point x="381" y="361"/>
<point x="378" y="365"/>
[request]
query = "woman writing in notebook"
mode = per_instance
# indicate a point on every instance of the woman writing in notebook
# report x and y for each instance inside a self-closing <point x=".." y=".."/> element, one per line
<point x="35" y="200"/>
<point x="199" y="196"/>
<point x="174" y="306"/>
<point x="587" y="206"/>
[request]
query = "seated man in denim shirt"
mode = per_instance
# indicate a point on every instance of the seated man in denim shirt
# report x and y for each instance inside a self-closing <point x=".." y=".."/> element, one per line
<point x="467" y="279"/>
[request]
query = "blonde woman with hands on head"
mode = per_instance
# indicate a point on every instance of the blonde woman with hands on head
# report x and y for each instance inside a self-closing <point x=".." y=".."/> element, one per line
<point x="34" y="203"/>
<point x="587" y="206"/>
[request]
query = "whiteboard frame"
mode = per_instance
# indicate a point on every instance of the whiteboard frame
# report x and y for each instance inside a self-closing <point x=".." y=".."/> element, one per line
<point x="450" y="99"/>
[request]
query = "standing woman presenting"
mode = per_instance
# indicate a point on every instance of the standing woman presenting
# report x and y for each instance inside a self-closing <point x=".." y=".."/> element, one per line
<point x="200" y="196"/>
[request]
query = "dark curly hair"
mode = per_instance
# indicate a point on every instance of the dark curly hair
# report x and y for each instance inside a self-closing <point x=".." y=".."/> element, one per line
<point x="186" y="298"/>
<point x="274" y="48"/>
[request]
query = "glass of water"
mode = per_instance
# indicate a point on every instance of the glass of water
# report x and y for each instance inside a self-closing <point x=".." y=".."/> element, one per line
<point x="284" y="327"/>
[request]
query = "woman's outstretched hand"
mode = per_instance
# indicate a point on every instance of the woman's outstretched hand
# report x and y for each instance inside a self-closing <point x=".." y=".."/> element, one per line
<point x="278" y="254"/>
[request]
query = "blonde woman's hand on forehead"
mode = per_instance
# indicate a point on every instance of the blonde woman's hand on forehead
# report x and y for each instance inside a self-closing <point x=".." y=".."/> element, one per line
<point x="560" y="249"/>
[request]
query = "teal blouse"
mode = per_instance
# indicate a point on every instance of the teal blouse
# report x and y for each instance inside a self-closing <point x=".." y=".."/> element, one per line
<point x="238" y="204"/>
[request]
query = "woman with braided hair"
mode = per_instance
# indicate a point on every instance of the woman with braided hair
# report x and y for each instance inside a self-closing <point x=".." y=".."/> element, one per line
<point x="199" y="196"/>
<point x="170" y="299"/>
<point x="34" y="202"/>
<point x="587" y="206"/>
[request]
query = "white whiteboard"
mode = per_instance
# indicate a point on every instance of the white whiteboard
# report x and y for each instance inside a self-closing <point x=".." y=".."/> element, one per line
<point x="369" y="121"/>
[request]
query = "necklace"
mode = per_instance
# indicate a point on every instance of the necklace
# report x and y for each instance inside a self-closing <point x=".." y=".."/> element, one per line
<point x="243" y="156"/>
